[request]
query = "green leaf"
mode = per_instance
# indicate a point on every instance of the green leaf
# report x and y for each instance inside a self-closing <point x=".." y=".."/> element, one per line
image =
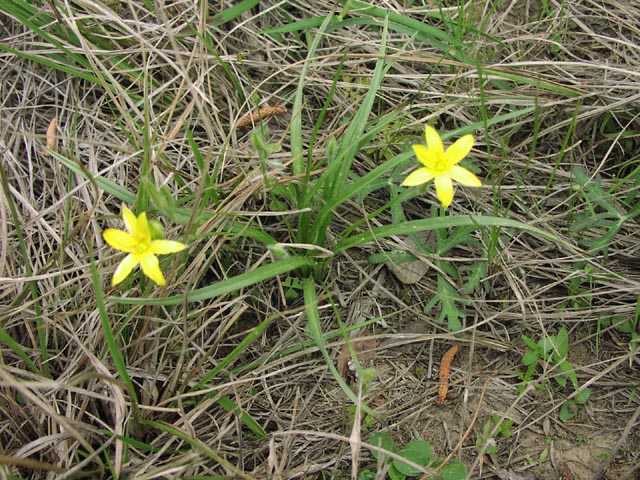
<point x="566" y="367"/>
<point x="562" y="343"/>
<point x="530" y="357"/>
<point x="394" y="474"/>
<point x="621" y="323"/>
<point x="567" y="411"/>
<point x="337" y="173"/>
<point x="530" y="343"/>
<point x="455" y="470"/>
<point x="478" y="272"/>
<point x="450" y="311"/>
<point x="382" y="440"/>
<point x="547" y="345"/>
<point x="417" y="451"/>
<point x="561" y="378"/>
<point x="367" y="475"/>
<point x="583" y="396"/>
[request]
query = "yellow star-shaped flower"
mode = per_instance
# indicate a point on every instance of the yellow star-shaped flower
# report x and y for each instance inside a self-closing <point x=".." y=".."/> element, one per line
<point x="442" y="165"/>
<point x="142" y="250"/>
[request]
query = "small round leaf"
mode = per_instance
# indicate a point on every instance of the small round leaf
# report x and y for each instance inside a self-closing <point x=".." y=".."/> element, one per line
<point x="417" y="451"/>
<point x="455" y="470"/>
<point x="382" y="440"/>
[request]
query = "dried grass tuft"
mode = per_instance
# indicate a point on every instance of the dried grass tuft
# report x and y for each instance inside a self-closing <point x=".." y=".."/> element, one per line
<point x="63" y="410"/>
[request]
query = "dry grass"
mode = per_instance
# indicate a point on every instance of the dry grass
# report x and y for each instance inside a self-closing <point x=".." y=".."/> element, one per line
<point x="562" y="77"/>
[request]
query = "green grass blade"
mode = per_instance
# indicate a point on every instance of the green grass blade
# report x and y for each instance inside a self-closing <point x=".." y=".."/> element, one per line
<point x="234" y="12"/>
<point x="297" y="145"/>
<point x="67" y="42"/>
<point x="108" y="186"/>
<point x="251" y="337"/>
<point x="181" y="215"/>
<point x="428" y="224"/>
<point x="424" y="32"/>
<point x="199" y="446"/>
<point x="538" y="82"/>
<point x="17" y="349"/>
<point x="231" y="407"/>
<point x="230" y="285"/>
<point x="31" y="287"/>
<point x="110" y="338"/>
<point x="361" y="185"/>
<point x="315" y="330"/>
<point x="303" y="25"/>
<point x="55" y="62"/>
<point x="350" y="142"/>
<point x="336" y="175"/>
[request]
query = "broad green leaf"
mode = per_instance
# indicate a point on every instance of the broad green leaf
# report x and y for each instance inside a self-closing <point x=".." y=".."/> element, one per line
<point x="562" y="343"/>
<point x="583" y="396"/>
<point x="530" y="357"/>
<point x="454" y="470"/>
<point x="382" y="440"/>
<point x="567" y="411"/>
<point x="417" y="451"/>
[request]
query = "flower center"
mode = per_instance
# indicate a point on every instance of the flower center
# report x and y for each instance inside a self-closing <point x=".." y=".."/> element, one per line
<point x="142" y="246"/>
<point x="441" y="165"/>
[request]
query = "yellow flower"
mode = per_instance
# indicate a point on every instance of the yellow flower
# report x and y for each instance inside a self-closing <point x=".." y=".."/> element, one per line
<point x="442" y="165"/>
<point x="137" y="242"/>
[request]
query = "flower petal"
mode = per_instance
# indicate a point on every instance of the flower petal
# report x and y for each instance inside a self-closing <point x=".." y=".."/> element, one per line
<point x="464" y="176"/>
<point x="161" y="247"/>
<point x="151" y="268"/>
<point x="425" y="156"/>
<point x="418" y="177"/>
<point x="125" y="267"/>
<point x="142" y="230"/>
<point x="434" y="142"/>
<point x="120" y="240"/>
<point x="444" y="189"/>
<point x="129" y="219"/>
<point x="459" y="149"/>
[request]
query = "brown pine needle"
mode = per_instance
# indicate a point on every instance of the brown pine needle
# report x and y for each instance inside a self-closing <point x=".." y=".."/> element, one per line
<point x="51" y="136"/>
<point x="445" y="369"/>
<point x="255" y="116"/>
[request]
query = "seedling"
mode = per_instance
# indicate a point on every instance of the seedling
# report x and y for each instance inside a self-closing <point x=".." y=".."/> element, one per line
<point x="502" y="429"/>
<point x="604" y="218"/>
<point x="418" y="452"/>
<point x="552" y="350"/>
<point x="293" y="287"/>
